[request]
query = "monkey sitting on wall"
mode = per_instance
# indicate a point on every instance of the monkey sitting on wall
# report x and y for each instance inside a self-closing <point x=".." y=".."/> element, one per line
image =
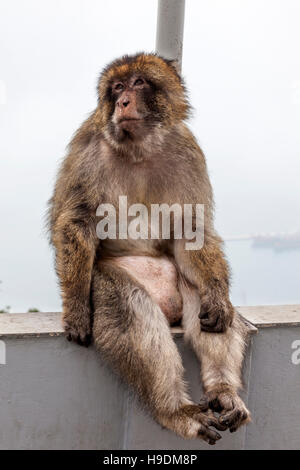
<point x="121" y="292"/>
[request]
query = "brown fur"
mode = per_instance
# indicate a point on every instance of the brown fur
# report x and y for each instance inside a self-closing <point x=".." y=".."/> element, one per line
<point x="155" y="161"/>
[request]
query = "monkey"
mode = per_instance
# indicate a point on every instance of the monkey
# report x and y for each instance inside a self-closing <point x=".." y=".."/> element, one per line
<point x="124" y="294"/>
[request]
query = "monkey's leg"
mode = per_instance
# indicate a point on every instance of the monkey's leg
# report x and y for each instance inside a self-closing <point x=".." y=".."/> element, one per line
<point x="132" y="333"/>
<point x="221" y="357"/>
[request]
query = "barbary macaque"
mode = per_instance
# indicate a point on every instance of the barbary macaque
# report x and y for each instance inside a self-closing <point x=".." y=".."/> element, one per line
<point x="123" y="293"/>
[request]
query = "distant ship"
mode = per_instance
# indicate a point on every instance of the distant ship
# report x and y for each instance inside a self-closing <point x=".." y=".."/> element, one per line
<point x="278" y="242"/>
<point x="275" y="241"/>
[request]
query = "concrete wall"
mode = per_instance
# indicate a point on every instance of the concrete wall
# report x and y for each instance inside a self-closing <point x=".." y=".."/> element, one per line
<point x="56" y="395"/>
<point x="274" y="394"/>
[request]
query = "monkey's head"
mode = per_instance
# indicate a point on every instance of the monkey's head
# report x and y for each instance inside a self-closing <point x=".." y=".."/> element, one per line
<point x="139" y="94"/>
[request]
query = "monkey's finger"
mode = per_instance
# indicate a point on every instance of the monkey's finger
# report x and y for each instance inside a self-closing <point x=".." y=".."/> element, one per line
<point x="205" y="312"/>
<point x="211" y="329"/>
<point x="246" y="417"/>
<point x="243" y="420"/>
<point x="86" y="341"/>
<point x="207" y="439"/>
<point x="216" y="424"/>
<point x="226" y="403"/>
<point x="79" y="340"/>
<point x="210" y="321"/>
<point x="235" y="427"/>
<point x="221" y="325"/>
<point x="203" y="404"/>
<point x="214" y="405"/>
<point x="218" y="327"/>
<point x="229" y="419"/>
<point x="208" y="435"/>
<point x="83" y="340"/>
<point x="212" y="420"/>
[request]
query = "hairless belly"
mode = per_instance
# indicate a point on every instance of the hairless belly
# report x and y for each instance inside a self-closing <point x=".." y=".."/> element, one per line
<point x="160" y="279"/>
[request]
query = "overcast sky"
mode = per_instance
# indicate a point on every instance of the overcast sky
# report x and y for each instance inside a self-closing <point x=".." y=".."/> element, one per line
<point x="241" y="63"/>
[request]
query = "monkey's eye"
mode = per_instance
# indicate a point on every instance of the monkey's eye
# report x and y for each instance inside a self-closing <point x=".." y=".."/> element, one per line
<point x="139" y="81"/>
<point x="119" y="86"/>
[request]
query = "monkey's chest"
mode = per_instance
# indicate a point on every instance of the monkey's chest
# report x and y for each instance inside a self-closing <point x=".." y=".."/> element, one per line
<point x="159" y="277"/>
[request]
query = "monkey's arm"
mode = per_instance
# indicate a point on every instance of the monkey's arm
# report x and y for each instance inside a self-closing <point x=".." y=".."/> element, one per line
<point x="207" y="269"/>
<point x="74" y="238"/>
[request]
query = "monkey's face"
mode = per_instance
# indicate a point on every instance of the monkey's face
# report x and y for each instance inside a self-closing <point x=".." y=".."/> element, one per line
<point x="133" y="115"/>
<point x="139" y="94"/>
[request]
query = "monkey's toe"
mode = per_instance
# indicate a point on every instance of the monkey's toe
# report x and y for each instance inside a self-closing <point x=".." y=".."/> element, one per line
<point x="235" y="418"/>
<point x="205" y="417"/>
<point x="208" y="435"/>
<point x="233" y="412"/>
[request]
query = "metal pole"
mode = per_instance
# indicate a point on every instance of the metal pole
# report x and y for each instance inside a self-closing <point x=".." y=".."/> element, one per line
<point x="169" y="32"/>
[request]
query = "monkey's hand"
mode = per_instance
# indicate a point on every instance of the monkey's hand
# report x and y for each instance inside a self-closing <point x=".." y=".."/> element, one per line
<point x="233" y="412"/>
<point x="216" y="313"/>
<point x="77" y="326"/>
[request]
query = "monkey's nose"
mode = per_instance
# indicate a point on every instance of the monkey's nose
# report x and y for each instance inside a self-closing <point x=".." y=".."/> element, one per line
<point x="126" y="103"/>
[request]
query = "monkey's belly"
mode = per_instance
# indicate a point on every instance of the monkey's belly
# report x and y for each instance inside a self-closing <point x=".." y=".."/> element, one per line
<point x="160" y="279"/>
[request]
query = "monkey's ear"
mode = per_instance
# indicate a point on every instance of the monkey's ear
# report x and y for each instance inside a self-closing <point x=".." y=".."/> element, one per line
<point x="176" y="65"/>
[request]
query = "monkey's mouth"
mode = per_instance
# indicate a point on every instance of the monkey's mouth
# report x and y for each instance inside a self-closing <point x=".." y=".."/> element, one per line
<point x="128" y="119"/>
<point x="130" y="127"/>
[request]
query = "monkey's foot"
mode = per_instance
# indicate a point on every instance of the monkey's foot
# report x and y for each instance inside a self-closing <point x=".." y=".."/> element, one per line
<point x="192" y="421"/>
<point x="233" y="412"/>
